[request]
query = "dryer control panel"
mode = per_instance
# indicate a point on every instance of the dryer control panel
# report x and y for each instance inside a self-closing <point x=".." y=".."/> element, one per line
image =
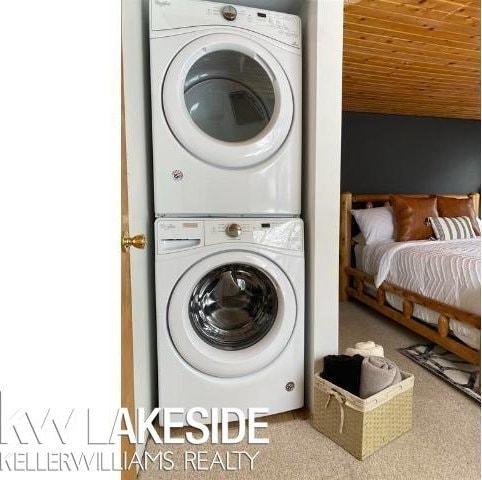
<point x="170" y="14"/>
<point x="184" y="234"/>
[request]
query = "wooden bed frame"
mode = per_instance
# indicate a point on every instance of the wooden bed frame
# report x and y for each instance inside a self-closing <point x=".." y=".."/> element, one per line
<point x="353" y="281"/>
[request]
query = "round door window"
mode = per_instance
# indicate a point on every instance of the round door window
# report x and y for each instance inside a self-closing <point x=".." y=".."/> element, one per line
<point x="229" y="95"/>
<point x="233" y="307"/>
<point x="231" y="314"/>
<point x="227" y="101"/>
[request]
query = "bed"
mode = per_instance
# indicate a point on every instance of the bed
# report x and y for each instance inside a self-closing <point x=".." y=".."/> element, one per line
<point x="430" y="287"/>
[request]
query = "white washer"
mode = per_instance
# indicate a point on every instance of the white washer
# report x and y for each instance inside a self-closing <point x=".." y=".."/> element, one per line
<point x="226" y="109"/>
<point x="230" y="313"/>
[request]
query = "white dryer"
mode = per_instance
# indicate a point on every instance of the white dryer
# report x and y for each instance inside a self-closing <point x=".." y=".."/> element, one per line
<point x="226" y="109"/>
<point x="230" y="313"/>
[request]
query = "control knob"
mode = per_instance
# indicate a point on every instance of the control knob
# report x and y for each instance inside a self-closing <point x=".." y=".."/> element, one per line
<point x="233" y="230"/>
<point x="229" y="13"/>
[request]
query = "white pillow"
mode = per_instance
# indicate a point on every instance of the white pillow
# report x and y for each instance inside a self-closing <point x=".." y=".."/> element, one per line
<point x="376" y="224"/>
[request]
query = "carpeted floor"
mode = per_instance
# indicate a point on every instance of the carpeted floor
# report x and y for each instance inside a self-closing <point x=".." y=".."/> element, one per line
<point x="444" y="443"/>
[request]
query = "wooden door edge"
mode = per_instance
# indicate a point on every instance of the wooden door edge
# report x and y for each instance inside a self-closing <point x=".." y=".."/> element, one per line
<point x="127" y="353"/>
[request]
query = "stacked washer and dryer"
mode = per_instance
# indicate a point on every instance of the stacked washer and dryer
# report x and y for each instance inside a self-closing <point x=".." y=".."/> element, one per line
<point x="229" y="254"/>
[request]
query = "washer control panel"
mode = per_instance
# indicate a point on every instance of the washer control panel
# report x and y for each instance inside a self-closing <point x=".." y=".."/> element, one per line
<point x="174" y="235"/>
<point x="286" y="234"/>
<point x="170" y="14"/>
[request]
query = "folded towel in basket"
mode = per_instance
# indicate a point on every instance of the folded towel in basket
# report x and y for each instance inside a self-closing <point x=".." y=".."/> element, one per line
<point x="377" y="373"/>
<point x="344" y="371"/>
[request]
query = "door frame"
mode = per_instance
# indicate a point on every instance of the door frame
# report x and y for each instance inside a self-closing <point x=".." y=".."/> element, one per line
<point x="127" y="352"/>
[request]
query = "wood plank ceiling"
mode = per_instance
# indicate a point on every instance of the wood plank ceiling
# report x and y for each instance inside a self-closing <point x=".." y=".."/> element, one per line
<point x="412" y="57"/>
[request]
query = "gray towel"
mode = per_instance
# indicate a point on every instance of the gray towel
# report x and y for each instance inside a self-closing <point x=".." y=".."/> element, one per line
<point x="377" y="373"/>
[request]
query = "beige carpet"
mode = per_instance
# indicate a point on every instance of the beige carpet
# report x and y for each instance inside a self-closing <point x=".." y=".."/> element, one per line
<point x="444" y="443"/>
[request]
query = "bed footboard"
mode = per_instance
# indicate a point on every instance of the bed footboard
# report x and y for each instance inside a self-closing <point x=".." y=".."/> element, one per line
<point x="440" y="335"/>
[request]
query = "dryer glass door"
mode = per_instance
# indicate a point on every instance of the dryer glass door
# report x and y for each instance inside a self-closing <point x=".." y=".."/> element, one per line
<point x="232" y="314"/>
<point x="229" y="95"/>
<point x="228" y="101"/>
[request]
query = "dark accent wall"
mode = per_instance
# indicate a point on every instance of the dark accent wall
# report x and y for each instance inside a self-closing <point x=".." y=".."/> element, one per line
<point x="405" y="154"/>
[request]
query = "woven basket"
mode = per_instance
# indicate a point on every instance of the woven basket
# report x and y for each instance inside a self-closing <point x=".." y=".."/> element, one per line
<point x="362" y="426"/>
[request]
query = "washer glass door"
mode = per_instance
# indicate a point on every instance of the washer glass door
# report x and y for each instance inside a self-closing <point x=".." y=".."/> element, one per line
<point x="228" y="101"/>
<point x="232" y="314"/>
<point x="234" y="306"/>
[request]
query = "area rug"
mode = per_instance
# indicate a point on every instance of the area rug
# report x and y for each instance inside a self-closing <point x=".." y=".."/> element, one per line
<point x="446" y="365"/>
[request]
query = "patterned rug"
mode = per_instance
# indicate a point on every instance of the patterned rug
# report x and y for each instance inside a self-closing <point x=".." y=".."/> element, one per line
<point x="446" y="365"/>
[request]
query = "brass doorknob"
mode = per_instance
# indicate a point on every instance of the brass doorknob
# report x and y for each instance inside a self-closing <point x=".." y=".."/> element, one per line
<point x="137" y="241"/>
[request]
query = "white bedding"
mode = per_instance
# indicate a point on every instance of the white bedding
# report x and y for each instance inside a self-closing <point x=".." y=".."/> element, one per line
<point x="448" y="271"/>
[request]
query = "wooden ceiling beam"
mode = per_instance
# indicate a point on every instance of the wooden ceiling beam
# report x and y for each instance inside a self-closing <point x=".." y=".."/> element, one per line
<point x="450" y="68"/>
<point x="445" y="24"/>
<point x="415" y="102"/>
<point x="352" y="77"/>
<point x="470" y="35"/>
<point x="447" y="8"/>
<point x="409" y="71"/>
<point x="425" y="45"/>
<point x="384" y="50"/>
<point x="408" y="90"/>
<point x="421" y="35"/>
<point x="424" y="10"/>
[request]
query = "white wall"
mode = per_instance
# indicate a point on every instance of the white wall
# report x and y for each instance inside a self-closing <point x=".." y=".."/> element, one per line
<point x="135" y="43"/>
<point x="323" y="48"/>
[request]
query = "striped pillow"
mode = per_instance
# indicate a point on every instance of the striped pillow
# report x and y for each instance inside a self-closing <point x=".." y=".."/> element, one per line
<point x="452" y="228"/>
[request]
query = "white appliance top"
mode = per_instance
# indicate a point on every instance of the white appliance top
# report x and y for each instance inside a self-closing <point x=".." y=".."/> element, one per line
<point x="174" y="14"/>
<point x="184" y="234"/>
